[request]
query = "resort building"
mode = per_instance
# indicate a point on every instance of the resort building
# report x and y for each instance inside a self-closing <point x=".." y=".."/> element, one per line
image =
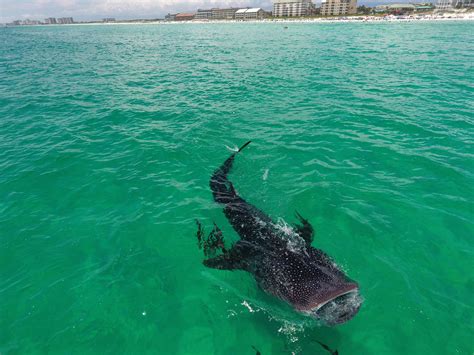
<point x="292" y="8"/>
<point x="446" y="5"/>
<point x="397" y="9"/>
<point x="423" y="7"/>
<point x="170" y="17"/>
<point x="250" y="14"/>
<point x="216" y="14"/>
<point x="65" y="20"/>
<point x="338" y="7"/>
<point x="50" y="21"/>
<point x="31" y="22"/>
<point x="224" y="14"/>
<point x="184" y="16"/>
<point x="203" y="14"/>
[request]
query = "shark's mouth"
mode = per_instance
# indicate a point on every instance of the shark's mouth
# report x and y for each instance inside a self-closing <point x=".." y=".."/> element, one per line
<point x="335" y="307"/>
<point x="339" y="308"/>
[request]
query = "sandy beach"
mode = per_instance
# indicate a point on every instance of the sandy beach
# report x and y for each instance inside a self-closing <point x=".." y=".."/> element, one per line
<point x="388" y="18"/>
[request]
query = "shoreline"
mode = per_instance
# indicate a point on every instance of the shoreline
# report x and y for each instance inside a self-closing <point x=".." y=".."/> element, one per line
<point x="389" y="18"/>
<point x="344" y="19"/>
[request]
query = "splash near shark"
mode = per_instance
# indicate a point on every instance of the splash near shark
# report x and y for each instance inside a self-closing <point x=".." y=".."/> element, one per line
<point x="281" y="259"/>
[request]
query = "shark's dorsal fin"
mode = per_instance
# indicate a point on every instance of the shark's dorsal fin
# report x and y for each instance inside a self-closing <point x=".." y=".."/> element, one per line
<point x="305" y="230"/>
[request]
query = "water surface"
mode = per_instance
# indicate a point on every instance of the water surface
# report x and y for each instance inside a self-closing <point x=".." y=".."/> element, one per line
<point x="108" y="137"/>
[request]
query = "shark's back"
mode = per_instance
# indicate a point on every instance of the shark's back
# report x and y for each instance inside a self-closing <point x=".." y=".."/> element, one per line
<point x="248" y="221"/>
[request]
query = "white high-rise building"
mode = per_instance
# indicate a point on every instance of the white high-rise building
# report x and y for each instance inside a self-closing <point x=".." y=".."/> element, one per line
<point x="454" y="4"/>
<point x="65" y="20"/>
<point x="50" y="21"/>
<point x="292" y="8"/>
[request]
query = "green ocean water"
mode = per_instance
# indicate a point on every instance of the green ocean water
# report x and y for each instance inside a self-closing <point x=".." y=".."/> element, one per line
<point x="108" y="138"/>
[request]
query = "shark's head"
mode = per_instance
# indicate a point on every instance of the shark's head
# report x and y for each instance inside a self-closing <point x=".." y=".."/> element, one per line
<point x="313" y="284"/>
<point x="325" y="292"/>
<point x="338" y="309"/>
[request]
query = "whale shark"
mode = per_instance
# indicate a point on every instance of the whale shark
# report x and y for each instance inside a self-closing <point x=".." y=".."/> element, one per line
<point x="279" y="256"/>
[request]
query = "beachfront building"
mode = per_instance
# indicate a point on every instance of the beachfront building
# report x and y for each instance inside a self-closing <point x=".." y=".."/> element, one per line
<point x="26" y="22"/>
<point x="203" y="14"/>
<point x="338" y="7"/>
<point x="423" y="7"/>
<point x="170" y="17"/>
<point x="397" y="9"/>
<point x="468" y="4"/>
<point x="250" y="14"/>
<point x="216" y="14"/>
<point x="447" y="5"/>
<point x="444" y="5"/>
<point x="292" y="8"/>
<point x="65" y="20"/>
<point x="29" y="22"/>
<point x="224" y="14"/>
<point x="50" y="21"/>
<point x="184" y="16"/>
<point x="240" y="14"/>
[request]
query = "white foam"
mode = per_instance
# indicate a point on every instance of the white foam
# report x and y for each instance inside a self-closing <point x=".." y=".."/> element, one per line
<point x="294" y="242"/>
<point x="291" y="330"/>
<point x="245" y="303"/>
<point x="235" y="149"/>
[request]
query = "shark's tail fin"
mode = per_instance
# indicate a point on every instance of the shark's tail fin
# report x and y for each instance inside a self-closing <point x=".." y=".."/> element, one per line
<point x="242" y="147"/>
<point x="221" y="188"/>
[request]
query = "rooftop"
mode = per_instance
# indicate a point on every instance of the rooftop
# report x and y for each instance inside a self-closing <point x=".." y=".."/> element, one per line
<point x="289" y="1"/>
<point x="252" y="10"/>
<point x="401" y="6"/>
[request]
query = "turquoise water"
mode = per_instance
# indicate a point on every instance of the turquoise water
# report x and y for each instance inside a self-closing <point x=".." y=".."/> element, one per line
<point x="108" y="137"/>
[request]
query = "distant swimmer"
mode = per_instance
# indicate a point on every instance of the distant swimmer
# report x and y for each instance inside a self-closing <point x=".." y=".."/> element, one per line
<point x="279" y="256"/>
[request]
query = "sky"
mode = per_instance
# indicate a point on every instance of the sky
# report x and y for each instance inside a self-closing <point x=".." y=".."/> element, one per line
<point x="82" y="10"/>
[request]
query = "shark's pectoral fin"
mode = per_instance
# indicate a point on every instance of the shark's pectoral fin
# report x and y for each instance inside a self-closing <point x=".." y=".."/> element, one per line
<point x="305" y="230"/>
<point x="237" y="257"/>
<point x="221" y="262"/>
<point x="213" y="242"/>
